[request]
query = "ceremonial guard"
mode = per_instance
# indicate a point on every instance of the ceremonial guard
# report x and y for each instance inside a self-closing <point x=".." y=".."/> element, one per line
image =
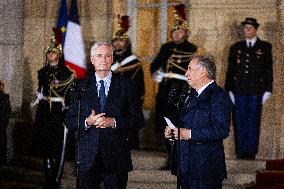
<point x="249" y="83"/>
<point x="127" y="64"/>
<point x="168" y="68"/>
<point x="54" y="81"/>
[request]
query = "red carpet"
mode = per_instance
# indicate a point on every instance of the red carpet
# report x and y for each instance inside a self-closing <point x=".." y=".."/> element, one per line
<point x="272" y="177"/>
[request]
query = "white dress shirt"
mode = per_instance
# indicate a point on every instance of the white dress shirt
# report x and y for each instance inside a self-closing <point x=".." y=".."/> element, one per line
<point x="107" y="82"/>
<point x="199" y="91"/>
<point x="252" y="41"/>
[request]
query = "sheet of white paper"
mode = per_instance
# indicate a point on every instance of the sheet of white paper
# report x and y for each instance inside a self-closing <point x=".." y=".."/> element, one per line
<point x="169" y="123"/>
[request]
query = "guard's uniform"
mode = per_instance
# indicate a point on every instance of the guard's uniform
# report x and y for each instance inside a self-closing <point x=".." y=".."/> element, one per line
<point x="53" y="95"/>
<point x="53" y="84"/>
<point x="249" y="75"/>
<point x="128" y="65"/>
<point x="172" y="59"/>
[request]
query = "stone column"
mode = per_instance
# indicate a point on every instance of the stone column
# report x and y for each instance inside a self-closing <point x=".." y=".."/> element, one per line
<point x="11" y="61"/>
<point x="280" y="61"/>
<point x="11" y="41"/>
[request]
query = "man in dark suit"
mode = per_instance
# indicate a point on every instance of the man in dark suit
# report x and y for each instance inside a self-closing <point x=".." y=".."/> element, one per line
<point x="168" y="68"/>
<point x="109" y="109"/>
<point x="204" y="124"/>
<point x="249" y="83"/>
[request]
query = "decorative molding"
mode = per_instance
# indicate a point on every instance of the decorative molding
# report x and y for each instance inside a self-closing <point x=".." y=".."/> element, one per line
<point x="163" y="21"/>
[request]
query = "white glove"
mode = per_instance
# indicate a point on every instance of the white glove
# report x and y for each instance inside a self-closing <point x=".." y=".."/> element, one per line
<point x="39" y="95"/>
<point x="158" y="76"/>
<point x="232" y="97"/>
<point x="266" y="96"/>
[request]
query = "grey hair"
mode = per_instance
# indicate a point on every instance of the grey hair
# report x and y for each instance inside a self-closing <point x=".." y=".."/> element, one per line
<point x="207" y="62"/>
<point x="100" y="43"/>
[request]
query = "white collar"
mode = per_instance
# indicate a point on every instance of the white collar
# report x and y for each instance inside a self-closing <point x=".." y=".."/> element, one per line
<point x="199" y="91"/>
<point x="106" y="79"/>
<point x="253" y="40"/>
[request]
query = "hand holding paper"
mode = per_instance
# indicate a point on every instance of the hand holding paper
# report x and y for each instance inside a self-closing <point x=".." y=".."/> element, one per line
<point x="169" y="129"/>
<point x="169" y="123"/>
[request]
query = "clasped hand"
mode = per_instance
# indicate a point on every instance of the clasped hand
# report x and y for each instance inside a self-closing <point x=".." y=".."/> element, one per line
<point x="173" y="133"/>
<point x="99" y="120"/>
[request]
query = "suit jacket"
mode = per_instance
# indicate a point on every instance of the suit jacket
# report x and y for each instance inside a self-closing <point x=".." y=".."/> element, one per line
<point x="250" y="71"/>
<point x="122" y="105"/>
<point x="208" y="116"/>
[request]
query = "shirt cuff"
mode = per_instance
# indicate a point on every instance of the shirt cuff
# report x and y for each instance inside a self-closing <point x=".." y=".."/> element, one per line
<point x="114" y="124"/>
<point x="189" y="133"/>
<point x="86" y="125"/>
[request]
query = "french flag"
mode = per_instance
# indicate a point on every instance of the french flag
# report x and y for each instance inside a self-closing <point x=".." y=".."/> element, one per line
<point x="62" y="19"/>
<point x="74" y="51"/>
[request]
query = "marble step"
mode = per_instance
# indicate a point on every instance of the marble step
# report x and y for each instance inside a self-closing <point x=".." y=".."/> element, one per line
<point x="146" y="179"/>
<point x="147" y="163"/>
<point x="146" y="173"/>
<point x="21" y="175"/>
<point x="139" y="185"/>
<point x="18" y="185"/>
<point x="239" y="178"/>
<point x="244" y="166"/>
<point x="157" y="176"/>
<point x="148" y="160"/>
<point x="151" y="176"/>
<point x="135" y="185"/>
<point x="28" y="162"/>
<point x="151" y="160"/>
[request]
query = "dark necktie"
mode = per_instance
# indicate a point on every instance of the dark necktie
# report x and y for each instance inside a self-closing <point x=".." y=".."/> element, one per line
<point x="102" y="96"/>
<point x="192" y="95"/>
<point x="250" y="46"/>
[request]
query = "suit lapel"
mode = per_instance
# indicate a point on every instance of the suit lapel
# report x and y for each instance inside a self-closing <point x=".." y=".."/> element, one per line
<point x="203" y="96"/>
<point x="92" y="93"/>
<point x="113" y="90"/>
